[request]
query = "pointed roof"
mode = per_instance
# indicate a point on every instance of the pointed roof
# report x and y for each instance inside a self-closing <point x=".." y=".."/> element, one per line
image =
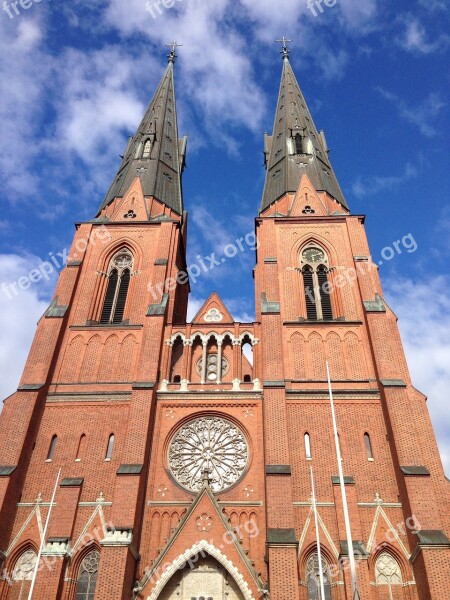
<point x="213" y="311"/>
<point x="287" y="156"/>
<point x="155" y="153"/>
<point x="204" y="518"/>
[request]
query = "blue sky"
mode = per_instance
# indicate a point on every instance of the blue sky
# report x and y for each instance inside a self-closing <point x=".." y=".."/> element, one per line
<point x="77" y="77"/>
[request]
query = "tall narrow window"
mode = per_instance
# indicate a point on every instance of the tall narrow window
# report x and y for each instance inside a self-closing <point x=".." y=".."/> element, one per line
<point x="308" y="446"/>
<point x="147" y="149"/>
<point x="119" y="276"/>
<point x="81" y="448"/>
<point x="368" y="446"/>
<point x="313" y="578"/>
<point x="87" y="576"/>
<point x="110" y="448"/>
<point x="316" y="285"/>
<point x="298" y="144"/>
<point x="52" y="448"/>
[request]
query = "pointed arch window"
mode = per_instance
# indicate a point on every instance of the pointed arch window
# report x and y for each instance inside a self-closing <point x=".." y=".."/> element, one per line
<point x="87" y="576"/>
<point x="52" y="448"/>
<point x="313" y="577"/>
<point x="388" y="572"/>
<point x="369" y="448"/>
<point x="110" y="448"/>
<point x="147" y="149"/>
<point x="23" y="571"/>
<point x="316" y="284"/>
<point x="119" y="277"/>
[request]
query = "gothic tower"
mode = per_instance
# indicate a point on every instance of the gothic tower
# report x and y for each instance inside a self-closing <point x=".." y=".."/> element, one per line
<point x="182" y="451"/>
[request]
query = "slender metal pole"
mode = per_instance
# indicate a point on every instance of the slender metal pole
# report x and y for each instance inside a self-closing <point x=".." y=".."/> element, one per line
<point x="344" y="495"/>
<point x="44" y="535"/>
<point x="319" y="553"/>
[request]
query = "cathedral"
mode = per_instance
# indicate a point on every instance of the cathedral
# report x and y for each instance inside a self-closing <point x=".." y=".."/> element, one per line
<point x="147" y="457"/>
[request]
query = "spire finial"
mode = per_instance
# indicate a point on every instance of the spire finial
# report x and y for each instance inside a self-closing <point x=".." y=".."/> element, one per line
<point x="173" y="51"/>
<point x="285" y="52"/>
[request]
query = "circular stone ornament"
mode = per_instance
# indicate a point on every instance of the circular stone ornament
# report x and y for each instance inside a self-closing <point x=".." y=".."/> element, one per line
<point x="209" y="445"/>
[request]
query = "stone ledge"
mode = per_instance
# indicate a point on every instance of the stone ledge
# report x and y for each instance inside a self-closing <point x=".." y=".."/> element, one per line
<point x="347" y="480"/>
<point x="359" y="549"/>
<point x="393" y="383"/>
<point x="130" y="469"/>
<point x="278" y="470"/>
<point x="415" y="471"/>
<point x="433" y="537"/>
<point x="375" y="306"/>
<point x="118" y="537"/>
<point x="269" y="308"/>
<point x="281" y="537"/>
<point x="7" y="471"/>
<point x="72" y="482"/>
<point x="56" y="547"/>
<point x="55" y="311"/>
<point x="155" y="310"/>
<point x="30" y="387"/>
<point x="145" y="385"/>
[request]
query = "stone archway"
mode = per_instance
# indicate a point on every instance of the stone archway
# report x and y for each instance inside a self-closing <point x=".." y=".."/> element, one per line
<point x="206" y="580"/>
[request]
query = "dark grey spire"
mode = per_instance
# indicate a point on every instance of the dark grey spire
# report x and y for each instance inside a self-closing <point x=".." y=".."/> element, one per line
<point x="155" y="153"/>
<point x="296" y="146"/>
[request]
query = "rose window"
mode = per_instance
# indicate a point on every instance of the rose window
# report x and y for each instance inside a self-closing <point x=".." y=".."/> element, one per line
<point x="208" y="446"/>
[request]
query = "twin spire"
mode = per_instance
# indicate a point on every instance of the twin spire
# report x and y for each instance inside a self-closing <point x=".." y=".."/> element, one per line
<point x="157" y="155"/>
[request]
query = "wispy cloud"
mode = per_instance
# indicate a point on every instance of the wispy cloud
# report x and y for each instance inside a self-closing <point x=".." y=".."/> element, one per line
<point x="374" y="185"/>
<point x="415" y="38"/>
<point x="422" y="115"/>
<point x="423" y="309"/>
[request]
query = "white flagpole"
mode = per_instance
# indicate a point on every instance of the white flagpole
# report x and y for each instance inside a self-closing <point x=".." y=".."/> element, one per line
<point x="44" y="535"/>
<point x="344" y="495"/>
<point x="322" y="585"/>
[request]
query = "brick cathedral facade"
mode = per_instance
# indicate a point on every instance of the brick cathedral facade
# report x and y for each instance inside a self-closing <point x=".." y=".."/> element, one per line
<point x="185" y="463"/>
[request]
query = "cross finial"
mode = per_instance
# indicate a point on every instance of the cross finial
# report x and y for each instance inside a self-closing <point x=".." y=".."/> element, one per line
<point x="173" y="50"/>
<point x="285" y="52"/>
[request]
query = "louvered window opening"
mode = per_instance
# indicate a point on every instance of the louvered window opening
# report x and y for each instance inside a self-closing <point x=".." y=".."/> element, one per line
<point x="117" y="290"/>
<point x="316" y="285"/>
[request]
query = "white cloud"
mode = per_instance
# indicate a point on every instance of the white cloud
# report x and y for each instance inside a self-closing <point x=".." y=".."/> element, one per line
<point x="24" y="70"/>
<point x="376" y="184"/>
<point x="422" y="115"/>
<point x="18" y="317"/>
<point x="414" y="38"/>
<point x="423" y="308"/>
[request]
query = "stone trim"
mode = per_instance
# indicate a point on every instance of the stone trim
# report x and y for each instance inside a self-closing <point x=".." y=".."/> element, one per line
<point x="274" y="384"/>
<point x="56" y="547"/>
<point x="359" y="549"/>
<point x="74" y="263"/>
<point x="271" y="260"/>
<point x="161" y="262"/>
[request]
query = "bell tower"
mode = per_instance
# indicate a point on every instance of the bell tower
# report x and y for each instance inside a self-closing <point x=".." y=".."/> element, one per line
<point x="319" y="298"/>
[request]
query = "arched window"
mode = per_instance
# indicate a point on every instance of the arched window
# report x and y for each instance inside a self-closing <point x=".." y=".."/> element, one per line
<point x="119" y="277"/>
<point x="247" y="378"/>
<point x="23" y="571"/>
<point x="147" y="149"/>
<point x="110" y="447"/>
<point x="298" y="144"/>
<point x="316" y="284"/>
<point x="313" y="578"/>
<point x="368" y="446"/>
<point x="308" y="446"/>
<point x="52" y="448"/>
<point x="87" y="576"/>
<point x="81" y="447"/>
<point x="387" y="571"/>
